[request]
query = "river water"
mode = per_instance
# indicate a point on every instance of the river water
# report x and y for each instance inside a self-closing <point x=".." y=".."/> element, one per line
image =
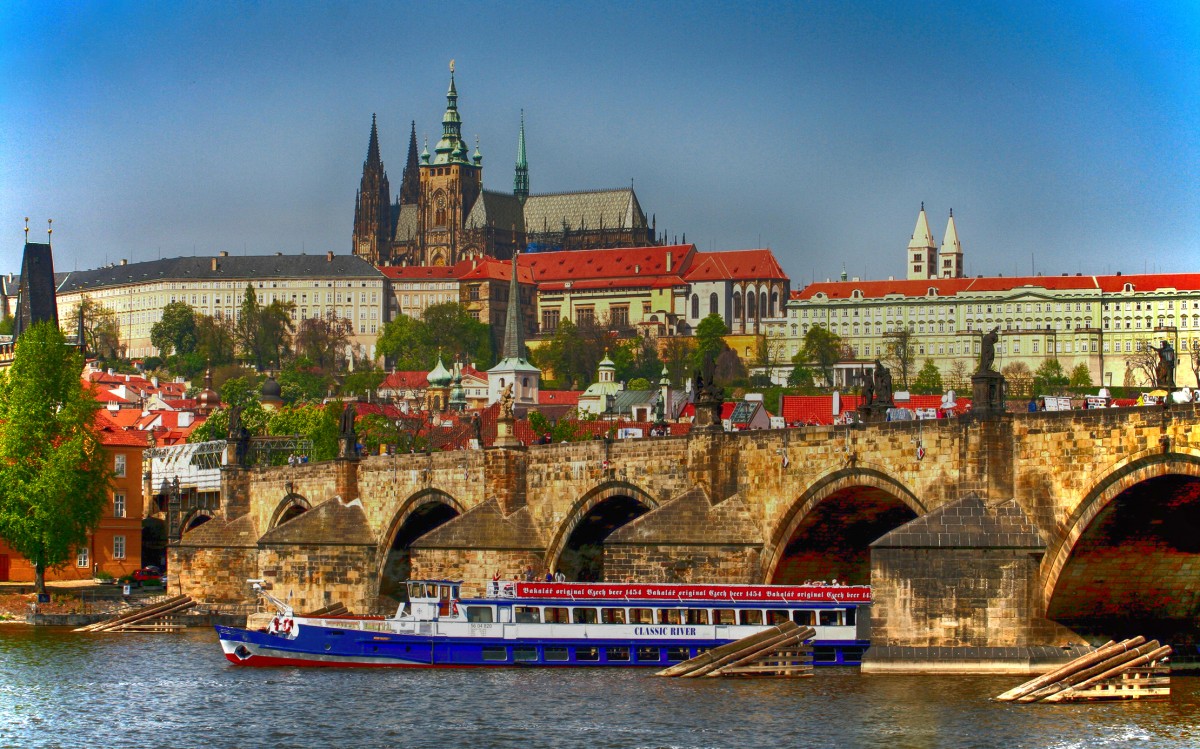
<point x="62" y="689"/>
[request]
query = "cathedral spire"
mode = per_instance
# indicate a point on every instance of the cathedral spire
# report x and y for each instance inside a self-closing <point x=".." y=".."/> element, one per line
<point x="514" y="335"/>
<point x="451" y="148"/>
<point x="373" y="146"/>
<point x="410" y="181"/>
<point x="521" y="179"/>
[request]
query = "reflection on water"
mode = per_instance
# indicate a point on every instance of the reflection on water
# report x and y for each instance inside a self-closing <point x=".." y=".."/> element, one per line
<point x="58" y="688"/>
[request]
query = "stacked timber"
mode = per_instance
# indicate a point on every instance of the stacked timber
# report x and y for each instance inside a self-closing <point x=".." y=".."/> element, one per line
<point x="778" y="651"/>
<point x="160" y="617"/>
<point x="332" y="610"/>
<point x="1132" y="669"/>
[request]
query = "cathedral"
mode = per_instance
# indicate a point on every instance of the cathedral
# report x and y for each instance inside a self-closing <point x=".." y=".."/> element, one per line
<point x="442" y="213"/>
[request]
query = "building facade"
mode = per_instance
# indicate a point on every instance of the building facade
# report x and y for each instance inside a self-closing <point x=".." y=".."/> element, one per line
<point x="443" y="214"/>
<point x="314" y="285"/>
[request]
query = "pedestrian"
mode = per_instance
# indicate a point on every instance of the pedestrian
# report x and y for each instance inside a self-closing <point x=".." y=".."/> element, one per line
<point x="549" y="576"/>
<point x="529" y="576"/>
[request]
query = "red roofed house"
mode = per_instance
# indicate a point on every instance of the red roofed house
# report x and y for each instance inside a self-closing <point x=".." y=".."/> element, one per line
<point x="115" y="546"/>
<point x="1099" y="322"/>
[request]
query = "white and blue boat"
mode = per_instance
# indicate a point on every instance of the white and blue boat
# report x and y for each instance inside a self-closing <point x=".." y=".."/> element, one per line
<point x="557" y="624"/>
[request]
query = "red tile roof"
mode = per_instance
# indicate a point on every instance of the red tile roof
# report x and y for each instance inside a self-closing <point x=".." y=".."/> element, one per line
<point x="954" y="286"/>
<point x="746" y="265"/>
<point x="818" y="409"/>
<point x="404" y="381"/>
<point x="419" y="272"/>
<point x="559" y="397"/>
<point x="630" y="265"/>
<point x="491" y="269"/>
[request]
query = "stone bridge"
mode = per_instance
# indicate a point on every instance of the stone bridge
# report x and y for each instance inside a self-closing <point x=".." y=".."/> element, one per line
<point x="991" y="537"/>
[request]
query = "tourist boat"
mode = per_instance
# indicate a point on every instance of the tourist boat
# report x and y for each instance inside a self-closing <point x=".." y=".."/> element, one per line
<point x="557" y="624"/>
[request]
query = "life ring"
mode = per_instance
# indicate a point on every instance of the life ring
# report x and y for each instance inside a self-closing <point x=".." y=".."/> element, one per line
<point x="287" y="626"/>
<point x="275" y="625"/>
<point x="454" y="608"/>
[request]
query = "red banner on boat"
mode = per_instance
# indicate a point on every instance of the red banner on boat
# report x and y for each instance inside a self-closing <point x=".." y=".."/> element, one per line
<point x="691" y="593"/>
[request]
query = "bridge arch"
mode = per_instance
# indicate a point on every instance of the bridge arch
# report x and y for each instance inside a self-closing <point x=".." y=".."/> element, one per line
<point x="416" y="516"/>
<point x="577" y="547"/>
<point x="849" y="509"/>
<point x="291" y="506"/>
<point x="1122" y="556"/>
<point x="193" y="520"/>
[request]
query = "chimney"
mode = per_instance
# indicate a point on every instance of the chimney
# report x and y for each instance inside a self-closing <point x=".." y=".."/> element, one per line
<point x="154" y="380"/>
<point x="214" y="263"/>
<point x="124" y="261"/>
<point x="223" y="253"/>
<point x="670" y="261"/>
<point x="329" y="256"/>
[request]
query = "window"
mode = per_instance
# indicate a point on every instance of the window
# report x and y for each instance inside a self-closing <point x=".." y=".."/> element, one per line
<point x="617" y="653"/>
<point x="587" y="653"/>
<point x="527" y="614"/>
<point x="712" y="304"/>
<point x="556" y="653"/>
<point x="524" y="653"/>
<point x="648" y="654"/>
<point x="556" y="615"/>
<point x="752" y="617"/>
<point x="585" y="616"/>
<point x="119" y="466"/>
<point x="620" y="317"/>
<point x="81" y="558"/>
<point x="641" y="616"/>
<point x="495" y="653"/>
<point x="118" y="504"/>
<point x="118" y="547"/>
<point x="695" y="305"/>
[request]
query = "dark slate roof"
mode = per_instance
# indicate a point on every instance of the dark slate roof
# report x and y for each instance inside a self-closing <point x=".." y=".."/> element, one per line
<point x="612" y="209"/>
<point x="485" y="521"/>
<point x="229" y="267"/>
<point x="968" y="523"/>
<point x="36" y="300"/>
<point x="331" y="523"/>
<point x="498" y="209"/>
<point x="404" y="220"/>
<point x="691" y="519"/>
<point x="237" y="533"/>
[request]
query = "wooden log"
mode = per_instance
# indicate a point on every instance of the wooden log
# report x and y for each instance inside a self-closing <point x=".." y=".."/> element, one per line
<point x="170" y="607"/>
<point x="758" y="652"/>
<point x="1067" y="669"/>
<point x="1108" y="664"/>
<point x="730" y="647"/>
<point x="1154" y="655"/>
<point x="133" y="615"/>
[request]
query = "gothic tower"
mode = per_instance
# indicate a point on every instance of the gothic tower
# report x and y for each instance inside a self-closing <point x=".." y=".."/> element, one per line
<point x="450" y="183"/>
<point x="521" y="178"/>
<point x="410" y="181"/>
<point x="372" y="207"/>
<point x="922" y="250"/>
<point x="951" y="254"/>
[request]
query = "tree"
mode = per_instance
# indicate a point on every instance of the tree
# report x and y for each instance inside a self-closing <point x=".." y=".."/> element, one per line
<point x="101" y="329"/>
<point x="1018" y="379"/>
<point x="676" y="357"/>
<point x="175" y="332"/>
<point x="929" y="380"/>
<point x="263" y="334"/>
<point x="402" y="342"/>
<point x="362" y="381"/>
<point x="1081" y="376"/>
<point x="6" y="323"/>
<point x="563" y="430"/>
<point x="301" y="380"/>
<point x="1143" y="363"/>
<point x="958" y="376"/>
<point x="639" y="383"/>
<point x="901" y="354"/>
<point x="574" y="353"/>
<point x="323" y="340"/>
<point x="710" y="340"/>
<point x="314" y="421"/>
<point x="800" y="376"/>
<point x="1049" y="378"/>
<point x="770" y="353"/>
<point x="54" y="476"/>
<point x="215" y="340"/>
<point x="821" y="350"/>
<point x="446" y="329"/>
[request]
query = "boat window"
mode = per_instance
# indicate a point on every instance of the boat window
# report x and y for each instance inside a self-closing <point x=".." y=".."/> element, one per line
<point x="850" y="616"/>
<point x="589" y="653"/>
<point x="443" y="592"/>
<point x="480" y="614"/>
<point x="777" y="616"/>
<point x="556" y="653"/>
<point x="584" y="616"/>
<point x="495" y="653"/>
<point x="751" y="616"/>
<point x="824" y="654"/>
<point x="556" y="615"/>
<point x="641" y="616"/>
<point x="668" y="616"/>
<point x="612" y="616"/>
<point x="696" y="616"/>
<point x="649" y="654"/>
<point x="527" y="615"/>
<point x="804" y="617"/>
<point x="724" y="616"/>
<point x="677" y="653"/>
<point x="831" y="618"/>
<point x="524" y="653"/>
<point x="617" y="653"/>
<point x="506" y="613"/>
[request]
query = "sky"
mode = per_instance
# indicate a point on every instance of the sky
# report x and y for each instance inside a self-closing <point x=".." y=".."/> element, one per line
<point x="1064" y="136"/>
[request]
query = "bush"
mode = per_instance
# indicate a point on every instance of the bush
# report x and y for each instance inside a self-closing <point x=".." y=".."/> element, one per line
<point x="104" y="576"/>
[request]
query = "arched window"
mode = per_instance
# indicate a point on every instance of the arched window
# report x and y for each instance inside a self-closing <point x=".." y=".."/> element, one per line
<point x="712" y="303"/>
<point x="737" y="305"/>
<point x="695" y="305"/>
<point x="774" y="303"/>
<point x="751" y="306"/>
<point x="762" y="303"/>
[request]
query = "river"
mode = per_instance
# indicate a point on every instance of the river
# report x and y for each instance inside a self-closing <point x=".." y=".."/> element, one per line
<point x="62" y="689"/>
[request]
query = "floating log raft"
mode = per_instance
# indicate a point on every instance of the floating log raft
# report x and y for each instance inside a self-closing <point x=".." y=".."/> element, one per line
<point x="1128" y="670"/>
<point x="160" y="617"/>
<point x="778" y="651"/>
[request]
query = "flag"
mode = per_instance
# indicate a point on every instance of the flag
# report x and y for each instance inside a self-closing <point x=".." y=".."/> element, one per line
<point x="786" y="462"/>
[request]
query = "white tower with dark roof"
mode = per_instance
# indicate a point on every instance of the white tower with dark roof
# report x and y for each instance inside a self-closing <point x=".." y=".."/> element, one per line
<point x="950" y="258"/>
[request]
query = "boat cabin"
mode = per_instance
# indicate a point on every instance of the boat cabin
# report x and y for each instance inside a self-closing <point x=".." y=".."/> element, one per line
<point x="433" y="599"/>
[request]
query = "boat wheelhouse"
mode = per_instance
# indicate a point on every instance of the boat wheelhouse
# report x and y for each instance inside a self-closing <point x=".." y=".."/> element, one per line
<point x="560" y="624"/>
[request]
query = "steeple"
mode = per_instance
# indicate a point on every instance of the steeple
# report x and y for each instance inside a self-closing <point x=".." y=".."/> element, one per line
<point x="372" y="207"/>
<point x="922" y="250"/>
<point x="373" y="159"/>
<point x="513" y="368"/>
<point x="410" y="181"/>
<point x="521" y="179"/>
<point x="951" y="255"/>
<point x="450" y="149"/>
<point x="514" y="335"/>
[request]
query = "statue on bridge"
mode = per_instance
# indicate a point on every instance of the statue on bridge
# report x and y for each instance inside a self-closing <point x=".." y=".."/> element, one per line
<point x="238" y="435"/>
<point x="987" y="351"/>
<point x="506" y="402"/>
<point x="883" y="385"/>
<point x="1164" y="370"/>
<point x="348" y="439"/>
<point x="868" y="388"/>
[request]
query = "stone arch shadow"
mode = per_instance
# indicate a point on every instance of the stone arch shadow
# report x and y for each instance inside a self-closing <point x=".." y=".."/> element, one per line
<point x="583" y="507"/>
<point x="291" y="506"/>
<point x="1136" y="469"/>
<point x="823" y="488"/>
<point x="193" y="520"/>
<point x="424" y="504"/>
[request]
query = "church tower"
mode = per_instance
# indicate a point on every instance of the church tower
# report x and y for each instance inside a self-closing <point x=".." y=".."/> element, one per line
<point x="922" y="250"/>
<point x="450" y="183"/>
<point x="372" y="208"/>
<point x="951" y="255"/>
<point x="521" y="178"/>
<point x="410" y="181"/>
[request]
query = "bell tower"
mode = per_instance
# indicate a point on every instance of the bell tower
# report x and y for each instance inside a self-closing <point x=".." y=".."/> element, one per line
<point x="372" y="239"/>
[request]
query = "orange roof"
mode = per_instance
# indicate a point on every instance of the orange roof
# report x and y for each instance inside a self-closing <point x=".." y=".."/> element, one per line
<point x="559" y="397"/>
<point x="123" y="438"/>
<point x="954" y="286"/>
<point x="491" y="269"/>
<point x="404" y="381"/>
<point x="635" y="265"/>
<point x="747" y="265"/>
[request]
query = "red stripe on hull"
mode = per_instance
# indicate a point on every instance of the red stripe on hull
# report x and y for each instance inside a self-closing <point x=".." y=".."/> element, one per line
<point x="273" y="660"/>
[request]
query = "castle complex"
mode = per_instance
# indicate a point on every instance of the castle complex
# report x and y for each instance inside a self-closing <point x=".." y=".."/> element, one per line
<point x="443" y="214"/>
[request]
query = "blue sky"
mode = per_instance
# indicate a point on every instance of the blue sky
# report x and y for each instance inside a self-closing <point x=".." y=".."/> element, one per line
<point x="1065" y="136"/>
